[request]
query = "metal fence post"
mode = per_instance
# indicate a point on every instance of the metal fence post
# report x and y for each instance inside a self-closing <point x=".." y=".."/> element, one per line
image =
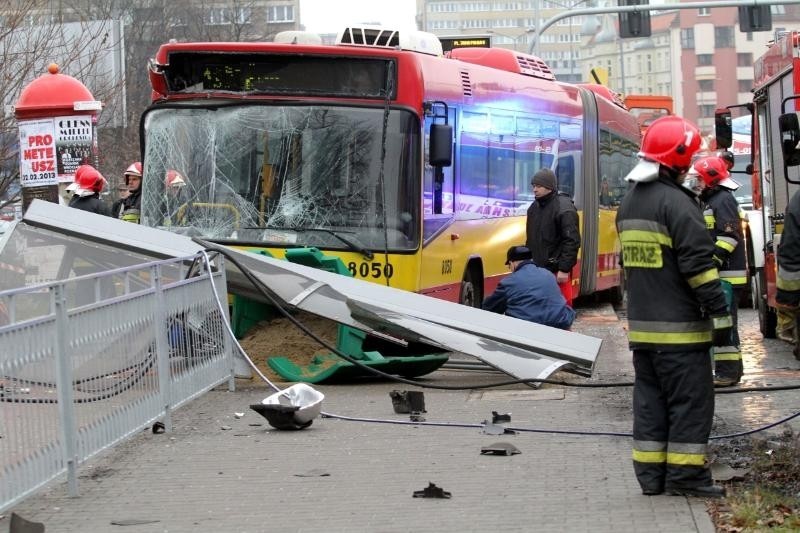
<point x="162" y="348"/>
<point x="229" y="345"/>
<point x="66" y="410"/>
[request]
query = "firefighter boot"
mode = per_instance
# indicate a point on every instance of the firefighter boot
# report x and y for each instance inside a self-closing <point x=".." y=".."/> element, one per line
<point x="708" y="491"/>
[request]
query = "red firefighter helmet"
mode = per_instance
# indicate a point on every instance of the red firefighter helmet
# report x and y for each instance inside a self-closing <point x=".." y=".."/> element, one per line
<point x="175" y="179"/>
<point x="135" y="169"/>
<point x="88" y="180"/>
<point x="713" y="170"/>
<point x="671" y="141"/>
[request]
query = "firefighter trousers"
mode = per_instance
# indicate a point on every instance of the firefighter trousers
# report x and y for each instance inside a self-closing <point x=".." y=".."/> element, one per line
<point x="673" y="408"/>
<point x="728" y="359"/>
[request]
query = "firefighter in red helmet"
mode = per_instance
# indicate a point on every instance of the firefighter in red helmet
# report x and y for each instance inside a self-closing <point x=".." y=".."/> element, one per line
<point x="131" y="206"/>
<point x="724" y="222"/>
<point x="676" y="312"/>
<point x="174" y="207"/>
<point x="86" y="188"/>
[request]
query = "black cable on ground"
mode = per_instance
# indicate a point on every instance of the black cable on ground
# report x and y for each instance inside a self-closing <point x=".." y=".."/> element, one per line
<point x="264" y="291"/>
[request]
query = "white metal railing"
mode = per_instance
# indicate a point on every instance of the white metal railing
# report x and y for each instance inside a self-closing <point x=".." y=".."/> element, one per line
<point x="89" y="361"/>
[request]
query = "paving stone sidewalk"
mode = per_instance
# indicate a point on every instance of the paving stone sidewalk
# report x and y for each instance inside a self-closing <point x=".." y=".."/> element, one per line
<point x="217" y="472"/>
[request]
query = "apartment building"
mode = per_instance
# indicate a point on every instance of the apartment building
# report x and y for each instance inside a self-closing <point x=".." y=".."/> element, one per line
<point x="511" y="25"/>
<point x="700" y="57"/>
<point x="716" y="58"/>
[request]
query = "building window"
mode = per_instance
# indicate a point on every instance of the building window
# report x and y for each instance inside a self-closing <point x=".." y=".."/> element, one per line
<point x="280" y="14"/>
<point x="242" y="15"/>
<point x="217" y="15"/>
<point x="744" y="60"/>
<point x="745" y="86"/>
<point x="704" y="60"/>
<point x="704" y="11"/>
<point x="723" y="37"/>
<point x="706" y="110"/>
<point x="687" y="38"/>
<point x="706" y="85"/>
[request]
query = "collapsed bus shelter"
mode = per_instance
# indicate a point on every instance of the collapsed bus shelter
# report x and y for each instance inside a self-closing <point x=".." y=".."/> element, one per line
<point x="132" y="318"/>
<point x="521" y="349"/>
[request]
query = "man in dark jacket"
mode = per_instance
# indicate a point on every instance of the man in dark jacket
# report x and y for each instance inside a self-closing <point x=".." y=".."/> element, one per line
<point x="529" y="293"/>
<point x="676" y="312"/>
<point x="553" y="236"/>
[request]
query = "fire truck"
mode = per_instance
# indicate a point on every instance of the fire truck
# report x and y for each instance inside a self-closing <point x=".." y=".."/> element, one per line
<point x="772" y="164"/>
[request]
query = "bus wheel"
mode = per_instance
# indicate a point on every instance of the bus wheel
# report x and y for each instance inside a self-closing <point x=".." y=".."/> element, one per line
<point x="471" y="293"/>
<point x="767" y="318"/>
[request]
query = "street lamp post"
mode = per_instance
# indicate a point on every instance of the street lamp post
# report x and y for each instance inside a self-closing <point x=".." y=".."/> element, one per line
<point x="535" y="48"/>
<point x="538" y="21"/>
<point x="515" y="39"/>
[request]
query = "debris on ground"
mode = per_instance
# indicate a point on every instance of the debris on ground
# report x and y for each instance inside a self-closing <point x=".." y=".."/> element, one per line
<point x="500" y="448"/>
<point x="432" y="491"/>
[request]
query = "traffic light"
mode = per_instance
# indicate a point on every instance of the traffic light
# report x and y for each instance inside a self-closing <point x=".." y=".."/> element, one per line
<point x="634" y="23"/>
<point x="755" y="18"/>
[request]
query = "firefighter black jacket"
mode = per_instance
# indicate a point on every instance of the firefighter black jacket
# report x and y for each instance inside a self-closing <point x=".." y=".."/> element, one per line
<point x="672" y="281"/>
<point x="724" y="222"/>
<point x="789" y="256"/>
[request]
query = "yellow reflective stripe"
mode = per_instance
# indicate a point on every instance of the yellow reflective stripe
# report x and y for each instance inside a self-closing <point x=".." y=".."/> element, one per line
<point x="728" y="356"/>
<point x="725" y="245"/>
<point x="720" y="322"/>
<point x="638" y="235"/>
<point x="660" y="337"/>
<point x="735" y="280"/>
<point x="788" y="284"/>
<point x="686" y="459"/>
<point x="649" y="457"/>
<point x="703" y="278"/>
<point x="710" y="221"/>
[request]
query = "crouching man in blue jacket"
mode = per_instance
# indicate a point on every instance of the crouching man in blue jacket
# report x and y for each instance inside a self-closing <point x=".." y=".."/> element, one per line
<point x="530" y="293"/>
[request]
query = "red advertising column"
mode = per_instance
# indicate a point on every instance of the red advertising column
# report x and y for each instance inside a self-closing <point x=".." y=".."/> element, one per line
<point x="57" y="118"/>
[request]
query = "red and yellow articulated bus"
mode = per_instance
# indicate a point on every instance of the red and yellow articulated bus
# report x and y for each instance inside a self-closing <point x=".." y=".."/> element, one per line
<point x="412" y="167"/>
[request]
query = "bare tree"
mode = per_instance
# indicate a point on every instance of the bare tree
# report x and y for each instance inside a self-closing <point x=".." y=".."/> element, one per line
<point x="32" y="35"/>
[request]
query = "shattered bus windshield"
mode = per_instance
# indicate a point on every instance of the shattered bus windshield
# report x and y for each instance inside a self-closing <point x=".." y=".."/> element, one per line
<point x="284" y="175"/>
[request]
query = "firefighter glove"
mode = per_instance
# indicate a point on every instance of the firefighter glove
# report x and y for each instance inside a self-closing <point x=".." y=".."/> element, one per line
<point x="721" y="335"/>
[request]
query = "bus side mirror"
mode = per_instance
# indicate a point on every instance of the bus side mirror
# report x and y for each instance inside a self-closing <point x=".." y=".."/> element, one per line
<point x="441" y="145"/>
<point x="790" y="136"/>
<point x="723" y="128"/>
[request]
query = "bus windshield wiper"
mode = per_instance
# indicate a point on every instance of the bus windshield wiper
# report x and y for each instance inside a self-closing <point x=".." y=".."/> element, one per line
<point x="337" y="234"/>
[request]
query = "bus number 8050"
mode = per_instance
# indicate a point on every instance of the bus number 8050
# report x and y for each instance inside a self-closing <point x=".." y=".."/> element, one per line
<point x="370" y="270"/>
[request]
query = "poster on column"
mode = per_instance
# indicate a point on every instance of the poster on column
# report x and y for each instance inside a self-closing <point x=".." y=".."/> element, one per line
<point x="73" y="144"/>
<point x="37" y="153"/>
